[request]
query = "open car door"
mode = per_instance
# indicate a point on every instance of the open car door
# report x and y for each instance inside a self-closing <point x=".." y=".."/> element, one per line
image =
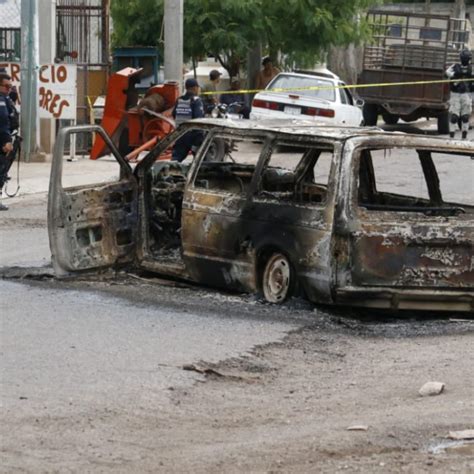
<point x="95" y="225"/>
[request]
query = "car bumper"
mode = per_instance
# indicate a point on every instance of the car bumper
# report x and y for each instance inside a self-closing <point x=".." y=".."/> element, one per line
<point x="264" y="114"/>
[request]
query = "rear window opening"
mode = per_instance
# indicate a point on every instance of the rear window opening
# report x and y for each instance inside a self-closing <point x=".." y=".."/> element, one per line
<point x="416" y="180"/>
<point x="301" y="86"/>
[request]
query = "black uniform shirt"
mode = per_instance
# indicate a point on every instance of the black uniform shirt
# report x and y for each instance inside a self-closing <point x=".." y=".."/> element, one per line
<point x="5" y="122"/>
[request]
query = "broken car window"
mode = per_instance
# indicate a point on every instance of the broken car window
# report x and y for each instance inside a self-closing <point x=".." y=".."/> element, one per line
<point x="456" y="178"/>
<point x="415" y="180"/>
<point x="313" y="187"/>
<point x="297" y="172"/>
<point x="392" y="180"/>
<point x="101" y="171"/>
<point x="232" y="166"/>
<point x="278" y="176"/>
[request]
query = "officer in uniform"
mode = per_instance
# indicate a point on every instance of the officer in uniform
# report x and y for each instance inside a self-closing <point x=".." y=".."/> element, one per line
<point x="460" y="105"/>
<point x="188" y="106"/>
<point x="8" y="123"/>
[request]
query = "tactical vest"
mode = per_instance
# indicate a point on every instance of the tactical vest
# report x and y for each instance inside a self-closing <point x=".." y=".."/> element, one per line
<point x="465" y="72"/>
<point x="184" y="110"/>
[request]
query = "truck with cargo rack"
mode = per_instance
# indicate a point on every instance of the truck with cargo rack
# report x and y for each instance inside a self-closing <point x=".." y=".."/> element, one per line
<point x="411" y="48"/>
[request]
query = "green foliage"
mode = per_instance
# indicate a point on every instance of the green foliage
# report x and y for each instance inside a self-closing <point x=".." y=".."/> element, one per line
<point x="136" y="22"/>
<point x="301" y="30"/>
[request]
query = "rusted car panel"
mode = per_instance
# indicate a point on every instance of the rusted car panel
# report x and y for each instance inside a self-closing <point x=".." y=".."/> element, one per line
<point x="346" y="227"/>
<point x="91" y="226"/>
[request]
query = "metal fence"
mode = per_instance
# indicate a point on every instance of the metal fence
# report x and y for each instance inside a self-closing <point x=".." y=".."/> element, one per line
<point x="10" y="37"/>
<point x="10" y="44"/>
<point x="82" y="38"/>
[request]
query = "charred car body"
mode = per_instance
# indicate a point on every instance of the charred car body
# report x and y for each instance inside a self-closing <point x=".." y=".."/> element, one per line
<point x="345" y="215"/>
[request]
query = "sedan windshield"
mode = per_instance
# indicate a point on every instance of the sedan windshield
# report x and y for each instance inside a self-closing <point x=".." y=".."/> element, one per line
<point x="300" y="84"/>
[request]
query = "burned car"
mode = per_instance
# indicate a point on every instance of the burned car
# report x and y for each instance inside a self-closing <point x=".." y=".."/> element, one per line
<point x="345" y="216"/>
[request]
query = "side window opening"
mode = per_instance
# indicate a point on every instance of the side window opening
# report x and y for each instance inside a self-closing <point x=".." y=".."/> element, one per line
<point x="411" y="180"/>
<point x="313" y="188"/>
<point x="456" y="178"/>
<point x="105" y="170"/>
<point x="229" y="164"/>
<point x="392" y="180"/>
<point x="278" y="177"/>
<point x="297" y="173"/>
<point x="346" y="97"/>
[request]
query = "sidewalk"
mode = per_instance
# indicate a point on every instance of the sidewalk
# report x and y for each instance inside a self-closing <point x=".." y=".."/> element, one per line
<point x="34" y="177"/>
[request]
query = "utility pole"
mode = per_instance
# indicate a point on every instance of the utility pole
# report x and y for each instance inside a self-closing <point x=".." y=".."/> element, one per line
<point x="29" y="74"/>
<point x="173" y="36"/>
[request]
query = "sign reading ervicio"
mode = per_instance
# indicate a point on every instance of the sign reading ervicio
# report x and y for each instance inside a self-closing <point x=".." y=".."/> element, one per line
<point x="57" y="89"/>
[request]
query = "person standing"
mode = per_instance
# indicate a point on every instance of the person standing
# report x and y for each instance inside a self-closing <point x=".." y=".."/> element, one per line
<point x="8" y="123"/>
<point x="211" y="99"/>
<point x="266" y="74"/>
<point x="189" y="106"/>
<point x="460" y="104"/>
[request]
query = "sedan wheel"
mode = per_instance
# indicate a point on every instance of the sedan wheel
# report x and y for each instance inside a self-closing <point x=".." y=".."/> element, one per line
<point x="277" y="279"/>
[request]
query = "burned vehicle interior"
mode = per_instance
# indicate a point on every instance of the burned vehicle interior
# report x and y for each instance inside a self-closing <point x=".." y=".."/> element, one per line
<point x="299" y="173"/>
<point x="289" y="172"/>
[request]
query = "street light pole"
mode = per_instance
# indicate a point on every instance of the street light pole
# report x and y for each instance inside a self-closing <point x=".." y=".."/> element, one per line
<point x="29" y="73"/>
<point x="173" y="36"/>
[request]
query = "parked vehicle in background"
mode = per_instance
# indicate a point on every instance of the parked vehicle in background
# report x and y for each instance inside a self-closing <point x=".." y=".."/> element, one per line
<point x="343" y="215"/>
<point x="410" y="47"/>
<point x="328" y="104"/>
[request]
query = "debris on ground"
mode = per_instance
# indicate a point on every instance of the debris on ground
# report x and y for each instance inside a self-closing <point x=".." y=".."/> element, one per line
<point x="459" y="435"/>
<point x="208" y="371"/>
<point x="430" y="389"/>
<point x="358" y="428"/>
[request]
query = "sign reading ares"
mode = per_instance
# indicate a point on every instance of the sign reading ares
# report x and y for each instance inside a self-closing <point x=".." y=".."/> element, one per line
<point x="57" y="89"/>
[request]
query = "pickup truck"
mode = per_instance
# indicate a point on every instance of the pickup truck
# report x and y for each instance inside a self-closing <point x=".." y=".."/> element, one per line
<point x="410" y="47"/>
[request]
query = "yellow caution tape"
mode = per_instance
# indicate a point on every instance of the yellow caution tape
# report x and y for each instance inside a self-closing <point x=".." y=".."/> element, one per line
<point x="345" y="86"/>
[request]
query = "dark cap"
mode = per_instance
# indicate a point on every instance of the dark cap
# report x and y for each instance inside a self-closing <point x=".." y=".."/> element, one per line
<point x="214" y="74"/>
<point x="191" y="83"/>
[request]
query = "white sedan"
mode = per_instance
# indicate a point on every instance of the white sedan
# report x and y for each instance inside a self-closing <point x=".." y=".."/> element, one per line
<point x="297" y="100"/>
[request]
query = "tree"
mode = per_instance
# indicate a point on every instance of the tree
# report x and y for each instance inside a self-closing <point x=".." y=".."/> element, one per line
<point x="136" y="22"/>
<point x="300" y="30"/>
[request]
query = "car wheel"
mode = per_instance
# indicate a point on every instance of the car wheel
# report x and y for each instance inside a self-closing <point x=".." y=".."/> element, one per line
<point x="370" y="113"/>
<point x="443" y="123"/>
<point x="277" y="279"/>
<point x="216" y="150"/>
<point x="389" y="118"/>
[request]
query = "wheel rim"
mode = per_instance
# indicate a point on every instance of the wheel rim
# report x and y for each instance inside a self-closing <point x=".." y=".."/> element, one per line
<point x="276" y="279"/>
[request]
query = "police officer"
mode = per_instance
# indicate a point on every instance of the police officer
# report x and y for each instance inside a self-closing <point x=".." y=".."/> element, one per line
<point x="8" y="123"/>
<point x="460" y="105"/>
<point x="188" y="106"/>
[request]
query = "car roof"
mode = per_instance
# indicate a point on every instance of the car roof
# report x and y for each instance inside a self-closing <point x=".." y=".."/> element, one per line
<point x="288" y="126"/>
<point x="320" y="130"/>
<point x="326" y="74"/>
<point x="309" y="74"/>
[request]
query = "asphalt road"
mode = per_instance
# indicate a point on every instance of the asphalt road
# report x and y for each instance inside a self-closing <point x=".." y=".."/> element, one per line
<point x="92" y="375"/>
